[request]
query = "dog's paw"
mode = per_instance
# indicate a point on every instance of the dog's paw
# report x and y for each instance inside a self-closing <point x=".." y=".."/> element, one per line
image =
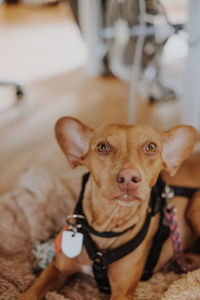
<point x="27" y="296"/>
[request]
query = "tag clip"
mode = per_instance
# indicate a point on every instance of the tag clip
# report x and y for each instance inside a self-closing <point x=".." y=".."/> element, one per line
<point x="168" y="194"/>
<point x="73" y="224"/>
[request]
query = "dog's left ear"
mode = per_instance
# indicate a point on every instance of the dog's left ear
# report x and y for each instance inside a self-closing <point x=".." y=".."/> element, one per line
<point x="74" y="138"/>
<point x="177" y="144"/>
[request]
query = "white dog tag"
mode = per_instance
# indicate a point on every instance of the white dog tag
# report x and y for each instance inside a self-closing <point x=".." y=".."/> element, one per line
<point x="72" y="243"/>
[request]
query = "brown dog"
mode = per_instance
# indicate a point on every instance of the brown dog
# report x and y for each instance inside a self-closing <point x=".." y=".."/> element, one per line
<point x="124" y="162"/>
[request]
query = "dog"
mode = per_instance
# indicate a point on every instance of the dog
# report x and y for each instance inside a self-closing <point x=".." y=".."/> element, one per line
<point x="125" y="163"/>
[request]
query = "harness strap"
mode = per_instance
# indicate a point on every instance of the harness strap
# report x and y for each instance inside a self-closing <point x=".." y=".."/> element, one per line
<point x="163" y="229"/>
<point x="183" y="191"/>
<point x="105" y="234"/>
<point x="154" y="254"/>
<point x="99" y="271"/>
<point x="101" y="277"/>
<point x="102" y="260"/>
<point x="119" y="252"/>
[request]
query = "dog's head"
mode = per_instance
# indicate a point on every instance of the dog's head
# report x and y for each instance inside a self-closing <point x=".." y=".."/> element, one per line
<point x="124" y="160"/>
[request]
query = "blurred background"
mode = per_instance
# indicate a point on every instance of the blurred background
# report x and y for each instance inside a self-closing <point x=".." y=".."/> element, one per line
<point x="101" y="61"/>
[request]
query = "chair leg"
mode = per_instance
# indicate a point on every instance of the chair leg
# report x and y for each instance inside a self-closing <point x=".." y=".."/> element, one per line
<point x="18" y="88"/>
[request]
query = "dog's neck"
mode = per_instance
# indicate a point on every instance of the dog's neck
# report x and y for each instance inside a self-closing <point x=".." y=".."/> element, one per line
<point x="108" y="215"/>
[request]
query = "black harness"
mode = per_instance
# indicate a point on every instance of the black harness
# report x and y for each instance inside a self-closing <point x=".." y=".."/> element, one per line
<point x="102" y="260"/>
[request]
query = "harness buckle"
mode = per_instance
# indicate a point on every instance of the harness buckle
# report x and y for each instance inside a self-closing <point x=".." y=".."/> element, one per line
<point x="101" y="277"/>
<point x="98" y="258"/>
<point x="100" y="274"/>
<point x="168" y="192"/>
<point x="74" y="225"/>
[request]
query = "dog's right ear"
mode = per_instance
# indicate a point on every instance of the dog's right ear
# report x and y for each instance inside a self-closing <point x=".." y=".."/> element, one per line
<point x="73" y="138"/>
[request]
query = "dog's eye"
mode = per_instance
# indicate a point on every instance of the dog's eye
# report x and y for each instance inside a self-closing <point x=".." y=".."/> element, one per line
<point x="151" y="148"/>
<point x="103" y="148"/>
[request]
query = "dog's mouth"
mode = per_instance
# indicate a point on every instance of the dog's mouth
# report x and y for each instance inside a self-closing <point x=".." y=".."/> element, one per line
<point x="127" y="198"/>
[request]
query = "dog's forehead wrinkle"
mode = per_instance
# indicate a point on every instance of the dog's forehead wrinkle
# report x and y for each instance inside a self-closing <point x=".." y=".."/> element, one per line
<point x="111" y="135"/>
<point x="137" y="137"/>
<point x="125" y="136"/>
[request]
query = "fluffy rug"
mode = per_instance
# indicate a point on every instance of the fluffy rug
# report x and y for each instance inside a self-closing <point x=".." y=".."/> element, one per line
<point x="34" y="211"/>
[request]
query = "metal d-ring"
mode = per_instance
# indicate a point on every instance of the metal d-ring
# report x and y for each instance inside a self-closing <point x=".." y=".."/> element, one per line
<point x="73" y="225"/>
<point x="168" y="193"/>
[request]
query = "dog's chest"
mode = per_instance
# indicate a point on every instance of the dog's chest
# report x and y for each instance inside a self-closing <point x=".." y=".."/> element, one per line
<point x="85" y="262"/>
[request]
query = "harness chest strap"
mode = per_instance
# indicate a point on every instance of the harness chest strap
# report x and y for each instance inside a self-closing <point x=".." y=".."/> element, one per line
<point x="102" y="260"/>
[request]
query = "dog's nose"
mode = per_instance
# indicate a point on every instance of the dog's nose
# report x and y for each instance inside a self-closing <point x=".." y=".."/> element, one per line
<point x="128" y="177"/>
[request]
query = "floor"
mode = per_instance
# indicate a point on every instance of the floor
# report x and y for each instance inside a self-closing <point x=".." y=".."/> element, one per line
<point x="37" y="42"/>
<point x="43" y="49"/>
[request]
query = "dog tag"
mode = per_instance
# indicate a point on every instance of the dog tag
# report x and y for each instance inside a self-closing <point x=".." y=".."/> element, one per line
<point x="72" y="243"/>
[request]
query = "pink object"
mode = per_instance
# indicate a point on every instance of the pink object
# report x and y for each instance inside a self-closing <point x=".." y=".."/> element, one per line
<point x="176" y="240"/>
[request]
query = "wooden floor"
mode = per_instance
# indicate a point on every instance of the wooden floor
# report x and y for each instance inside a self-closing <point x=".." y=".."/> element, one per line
<point x="27" y="129"/>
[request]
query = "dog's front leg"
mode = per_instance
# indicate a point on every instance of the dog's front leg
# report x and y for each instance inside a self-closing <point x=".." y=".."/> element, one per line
<point x="124" y="276"/>
<point x="193" y="212"/>
<point x="52" y="278"/>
